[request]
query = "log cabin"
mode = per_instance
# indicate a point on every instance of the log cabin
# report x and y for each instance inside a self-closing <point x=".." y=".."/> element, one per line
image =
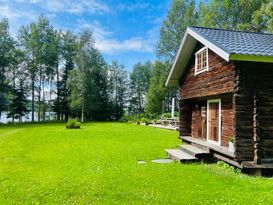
<point x="225" y="80"/>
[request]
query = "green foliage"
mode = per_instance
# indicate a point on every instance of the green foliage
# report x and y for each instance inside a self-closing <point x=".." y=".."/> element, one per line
<point x="169" y="114"/>
<point x="40" y="43"/>
<point x="229" y="14"/>
<point x="139" y="84"/>
<point x="228" y="168"/>
<point x="263" y="17"/>
<point x="117" y="90"/>
<point x="231" y="138"/>
<point x="157" y="91"/>
<point x="88" y="82"/>
<point x="73" y="123"/>
<point x="67" y="46"/>
<point x="18" y="105"/>
<point x="7" y="46"/>
<point x="181" y="14"/>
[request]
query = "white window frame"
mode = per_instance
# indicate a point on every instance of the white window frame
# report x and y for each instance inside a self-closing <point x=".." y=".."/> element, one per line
<point x="220" y="121"/>
<point x="207" y="59"/>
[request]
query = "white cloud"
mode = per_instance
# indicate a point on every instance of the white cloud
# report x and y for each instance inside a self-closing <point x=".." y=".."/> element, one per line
<point x="106" y="43"/>
<point x="76" y="6"/>
<point x="13" y="13"/>
<point x="70" y="6"/>
<point x="132" y="7"/>
<point x="113" y="46"/>
<point x="6" y="12"/>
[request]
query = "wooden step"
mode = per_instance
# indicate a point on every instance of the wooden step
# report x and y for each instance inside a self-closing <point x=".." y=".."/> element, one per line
<point x="194" y="150"/>
<point x="211" y="147"/>
<point x="180" y="156"/>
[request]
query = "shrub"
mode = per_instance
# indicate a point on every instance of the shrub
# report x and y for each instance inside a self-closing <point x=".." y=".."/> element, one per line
<point x="125" y="118"/>
<point x="145" y="120"/>
<point x="231" y="139"/>
<point x="73" y="124"/>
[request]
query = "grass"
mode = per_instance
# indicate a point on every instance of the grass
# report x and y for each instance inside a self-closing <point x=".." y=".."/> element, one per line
<point x="47" y="164"/>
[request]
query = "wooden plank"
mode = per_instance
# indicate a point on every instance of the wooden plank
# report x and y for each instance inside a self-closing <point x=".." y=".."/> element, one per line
<point x="229" y="161"/>
<point x="218" y="80"/>
<point x="179" y="155"/>
<point x="194" y="150"/>
<point x="216" y="148"/>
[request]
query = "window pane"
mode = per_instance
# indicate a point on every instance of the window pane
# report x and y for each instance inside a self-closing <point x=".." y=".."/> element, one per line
<point x="201" y="60"/>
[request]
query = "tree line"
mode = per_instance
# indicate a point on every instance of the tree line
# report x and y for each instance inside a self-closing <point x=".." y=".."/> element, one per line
<point x="49" y="71"/>
<point x="45" y="70"/>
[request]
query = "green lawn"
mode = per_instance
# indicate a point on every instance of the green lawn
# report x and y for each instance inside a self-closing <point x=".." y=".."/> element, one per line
<point x="47" y="164"/>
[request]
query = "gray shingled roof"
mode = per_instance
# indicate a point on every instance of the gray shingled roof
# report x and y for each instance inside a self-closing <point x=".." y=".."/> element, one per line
<point x="238" y="42"/>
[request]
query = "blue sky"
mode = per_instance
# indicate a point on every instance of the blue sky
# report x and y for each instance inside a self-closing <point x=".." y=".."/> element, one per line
<point x="125" y="30"/>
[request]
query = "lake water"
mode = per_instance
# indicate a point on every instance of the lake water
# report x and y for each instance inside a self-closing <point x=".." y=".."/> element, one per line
<point x="4" y="118"/>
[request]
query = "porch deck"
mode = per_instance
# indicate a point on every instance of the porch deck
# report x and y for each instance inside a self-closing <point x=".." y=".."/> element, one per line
<point x="217" y="151"/>
<point x="213" y="147"/>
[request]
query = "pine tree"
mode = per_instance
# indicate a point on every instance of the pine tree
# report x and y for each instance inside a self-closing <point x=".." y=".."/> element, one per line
<point x="68" y="52"/>
<point x="18" y="106"/>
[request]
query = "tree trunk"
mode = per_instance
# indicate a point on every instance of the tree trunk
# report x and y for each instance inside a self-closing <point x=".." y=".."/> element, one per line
<point x="44" y="107"/>
<point x="82" y="113"/>
<point x="49" y="103"/>
<point x="13" y="97"/>
<point x="58" y="94"/>
<point x="39" y="94"/>
<point x="32" y="98"/>
<point x="139" y="102"/>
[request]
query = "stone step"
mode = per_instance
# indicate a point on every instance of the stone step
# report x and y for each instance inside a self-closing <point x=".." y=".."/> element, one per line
<point x="194" y="150"/>
<point x="180" y="156"/>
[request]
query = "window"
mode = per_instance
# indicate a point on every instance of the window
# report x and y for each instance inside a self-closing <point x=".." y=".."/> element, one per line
<point x="201" y="60"/>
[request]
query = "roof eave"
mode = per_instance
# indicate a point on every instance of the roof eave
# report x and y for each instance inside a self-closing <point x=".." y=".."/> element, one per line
<point x="168" y="81"/>
<point x="252" y="58"/>
<point x="188" y="47"/>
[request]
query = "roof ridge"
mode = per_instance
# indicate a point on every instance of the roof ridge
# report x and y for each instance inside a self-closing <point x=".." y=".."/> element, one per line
<point x="222" y="29"/>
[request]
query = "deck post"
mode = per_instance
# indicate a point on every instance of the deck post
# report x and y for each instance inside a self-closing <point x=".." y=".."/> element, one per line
<point x="256" y="130"/>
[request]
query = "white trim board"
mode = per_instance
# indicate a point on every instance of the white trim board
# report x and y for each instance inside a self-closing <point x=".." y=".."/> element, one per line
<point x="196" y="59"/>
<point x="211" y="46"/>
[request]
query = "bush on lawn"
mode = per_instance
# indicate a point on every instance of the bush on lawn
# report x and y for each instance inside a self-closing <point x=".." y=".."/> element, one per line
<point x="142" y="118"/>
<point x="73" y="124"/>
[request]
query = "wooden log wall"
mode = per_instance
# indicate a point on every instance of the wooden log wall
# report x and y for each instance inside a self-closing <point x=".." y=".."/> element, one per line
<point x="227" y="119"/>
<point x="253" y="100"/>
<point x="196" y="123"/>
<point x="185" y="115"/>
<point x="218" y="80"/>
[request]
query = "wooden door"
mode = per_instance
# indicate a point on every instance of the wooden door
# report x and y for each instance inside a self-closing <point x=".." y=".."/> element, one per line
<point x="214" y="122"/>
<point x="204" y="122"/>
<point x="202" y="119"/>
